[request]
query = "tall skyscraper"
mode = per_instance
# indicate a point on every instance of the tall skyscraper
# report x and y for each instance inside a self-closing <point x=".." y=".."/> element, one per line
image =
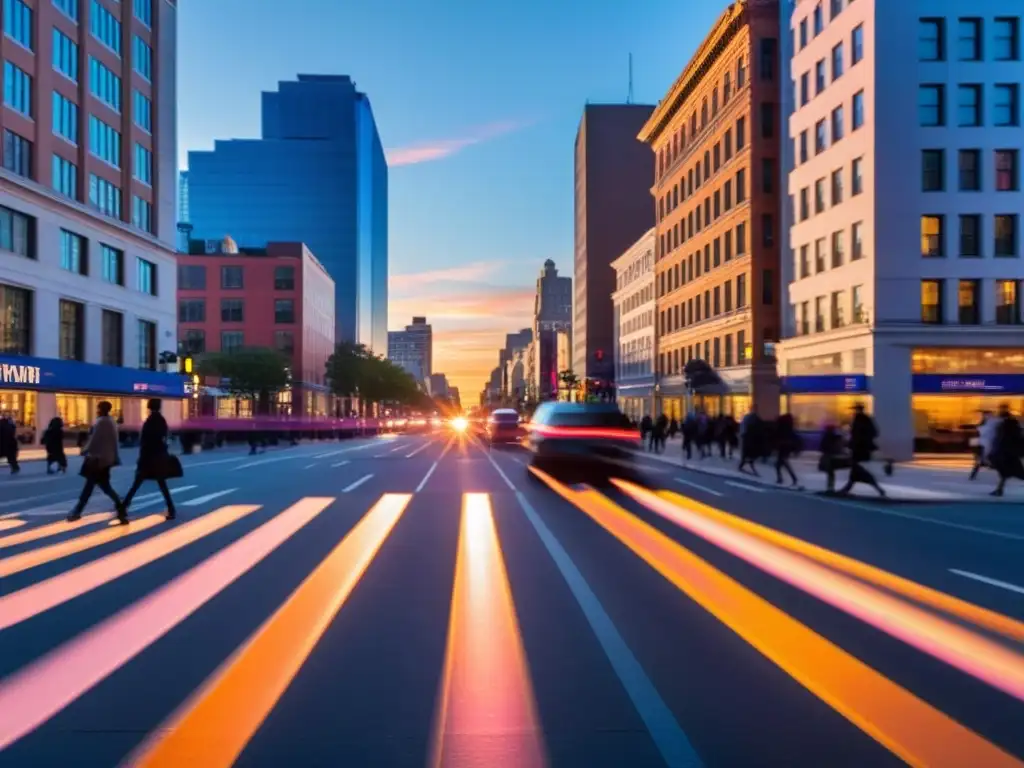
<point x="614" y="173"/>
<point x="317" y="175"/>
<point x="413" y="348"/>
<point x="552" y="313"/>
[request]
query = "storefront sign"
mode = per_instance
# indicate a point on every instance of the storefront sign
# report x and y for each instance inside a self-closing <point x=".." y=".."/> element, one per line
<point x="978" y="384"/>
<point x="826" y="384"/>
<point x="48" y="375"/>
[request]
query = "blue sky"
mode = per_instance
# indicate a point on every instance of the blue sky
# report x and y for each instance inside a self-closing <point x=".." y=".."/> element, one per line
<point x="477" y="104"/>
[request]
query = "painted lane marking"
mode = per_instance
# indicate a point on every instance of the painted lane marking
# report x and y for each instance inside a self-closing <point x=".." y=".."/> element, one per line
<point x="698" y="486"/>
<point x="745" y="487"/>
<point x="39" y="691"/>
<point x="922" y="519"/>
<point x="351" y="487"/>
<point x="426" y="477"/>
<point x="421" y="448"/>
<point x="310" y="466"/>
<point x="52" y="529"/>
<point x="337" y="464"/>
<point x="6" y="525"/>
<point x="208" y="497"/>
<point x="987" y="580"/>
<point x="236" y="699"/>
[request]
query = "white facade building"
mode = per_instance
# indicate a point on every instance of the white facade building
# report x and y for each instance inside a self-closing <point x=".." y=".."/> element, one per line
<point x="903" y="291"/>
<point x="634" y="305"/>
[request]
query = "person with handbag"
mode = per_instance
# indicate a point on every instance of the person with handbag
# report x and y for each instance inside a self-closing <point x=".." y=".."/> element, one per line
<point x="155" y="461"/>
<point x="101" y="455"/>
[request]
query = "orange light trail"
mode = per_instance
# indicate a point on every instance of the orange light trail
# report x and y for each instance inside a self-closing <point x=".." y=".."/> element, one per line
<point x="907" y="726"/>
<point x="52" y="529"/>
<point x="6" y="525"/>
<point x="213" y="728"/>
<point x="486" y="715"/>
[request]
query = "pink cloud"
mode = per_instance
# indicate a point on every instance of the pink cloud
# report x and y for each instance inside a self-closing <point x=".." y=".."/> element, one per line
<point x="428" y="151"/>
<point x="465" y="273"/>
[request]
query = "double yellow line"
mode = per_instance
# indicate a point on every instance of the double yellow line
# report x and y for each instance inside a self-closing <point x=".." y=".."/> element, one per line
<point x="909" y="727"/>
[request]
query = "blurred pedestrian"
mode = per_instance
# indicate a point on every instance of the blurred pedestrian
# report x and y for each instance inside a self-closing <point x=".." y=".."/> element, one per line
<point x="689" y="434"/>
<point x="787" y="443"/>
<point x="1007" y="450"/>
<point x="155" y="461"/>
<point x="987" y="431"/>
<point x="863" y="434"/>
<point x="101" y="455"/>
<point x="9" y="442"/>
<point x="831" y="456"/>
<point x="53" y="442"/>
<point x="751" y="436"/>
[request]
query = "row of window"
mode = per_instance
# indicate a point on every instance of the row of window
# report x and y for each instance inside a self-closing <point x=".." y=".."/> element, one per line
<point x="232" y="311"/>
<point x="17" y="89"/>
<point x="18" y="22"/>
<point x="817" y="18"/>
<point x="823" y="137"/>
<point x="838" y="60"/>
<point x="193" y="341"/>
<point x="636" y="299"/>
<point x="836" y="312"/>
<point x="970" y="105"/>
<point x="1004" y="235"/>
<point x="1004" y="44"/>
<point x="192" y="277"/>
<point x="969" y="302"/>
<point x="635" y="358"/>
<point x="824" y="256"/>
<point x="636" y="323"/>
<point x="969" y="173"/>
<point x="701" y="173"/>
<point x="717" y="252"/>
<point x="837" y="189"/>
<point x="673" y="362"/>
<point x="714" y="206"/>
<point x="717" y="301"/>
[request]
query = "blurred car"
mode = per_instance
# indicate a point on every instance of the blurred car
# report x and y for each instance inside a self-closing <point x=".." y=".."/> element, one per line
<point x="581" y="435"/>
<point x="503" y="427"/>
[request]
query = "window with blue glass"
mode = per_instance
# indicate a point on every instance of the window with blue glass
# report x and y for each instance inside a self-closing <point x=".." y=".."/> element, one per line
<point x="104" y="196"/>
<point x="105" y="27"/>
<point x="147" y="345"/>
<point x="68" y="7"/>
<point x="65" y="118"/>
<point x="142" y="111"/>
<point x="73" y="253"/>
<point x="17" y="233"/>
<point x="17" y="154"/>
<point x="18" y="22"/>
<point x="17" y="89"/>
<point x="65" y="177"/>
<point x="104" y="141"/>
<point x="104" y="84"/>
<point x="146" y="277"/>
<point x="142" y="57"/>
<point x="142" y="214"/>
<point x="65" y="55"/>
<point x="144" y="11"/>
<point x="143" y="164"/>
<point x="112" y="264"/>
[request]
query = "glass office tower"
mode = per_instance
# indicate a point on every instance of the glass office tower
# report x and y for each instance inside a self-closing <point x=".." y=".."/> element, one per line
<point x="318" y="176"/>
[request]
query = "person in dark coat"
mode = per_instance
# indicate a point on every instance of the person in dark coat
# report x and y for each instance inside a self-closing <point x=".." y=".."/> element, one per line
<point x="53" y="442"/>
<point x="154" y="459"/>
<point x="646" y="427"/>
<point x="787" y="443"/>
<point x="1007" y="451"/>
<point x="831" y="456"/>
<point x="100" y="456"/>
<point x="751" y="440"/>
<point x="863" y="434"/>
<point x="9" y="442"/>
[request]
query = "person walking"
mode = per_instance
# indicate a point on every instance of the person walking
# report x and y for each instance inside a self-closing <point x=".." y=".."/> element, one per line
<point x="787" y="443"/>
<point x="863" y="434"/>
<point x="1007" y="449"/>
<point x="53" y="442"/>
<point x="9" y="442"/>
<point x="751" y="436"/>
<point x="646" y="428"/>
<point x="155" y="461"/>
<point x="832" y="458"/>
<point x="100" y="452"/>
<point x="986" y="442"/>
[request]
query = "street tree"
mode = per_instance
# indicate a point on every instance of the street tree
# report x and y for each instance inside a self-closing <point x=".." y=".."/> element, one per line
<point x="256" y="373"/>
<point x="570" y="381"/>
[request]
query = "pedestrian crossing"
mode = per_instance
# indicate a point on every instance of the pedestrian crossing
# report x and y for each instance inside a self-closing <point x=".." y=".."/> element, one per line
<point x="486" y="686"/>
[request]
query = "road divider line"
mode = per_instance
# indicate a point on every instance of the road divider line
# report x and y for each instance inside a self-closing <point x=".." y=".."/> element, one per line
<point x="421" y="448"/>
<point x="356" y="484"/>
<point x="310" y="466"/>
<point x="912" y="729"/>
<point x="433" y="467"/>
<point x="698" y="486"/>
<point x="500" y="471"/>
<point x="486" y="692"/>
<point x="39" y="691"/>
<point x="6" y="525"/>
<point x="52" y="529"/>
<point x="953" y="606"/>
<point x="990" y="581"/>
<point x="745" y="487"/>
<point x="208" y="497"/>
<point x="974" y="654"/>
<point x="113" y="532"/>
<point x="673" y="744"/>
<point x="337" y="464"/>
<point x="923" y="519"/>
<point x="399" y="448"/>
<point x="214" y="726"/>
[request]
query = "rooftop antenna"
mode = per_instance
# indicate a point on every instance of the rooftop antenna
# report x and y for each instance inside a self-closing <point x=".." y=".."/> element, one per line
<point x="629" y="96"/>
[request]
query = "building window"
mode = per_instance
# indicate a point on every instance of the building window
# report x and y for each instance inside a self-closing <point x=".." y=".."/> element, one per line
<point x="819" y="77"/>
<point x="191" y="278"/>
<point x="970" y="235"/>
<point x="17" y="233"/>
<point x="68" y="7"/>
<point x="105" y="196"/>
<point x="1007" y="174"/>
<point x="142" y="111"/>
<point x="113" y="338"/>
<point x="931" y="108"/>
<point x="968" y="105"/>
<point x="931" y="39"/>
<point x="741" y="73"/>
<point x="105" y="27"/>
<point x="18" y="22"/>
<point x="969" y="311"/>
<point x="858" y="110"/>
<point x="104" y="141"/>
<point x="769" y="52"/>
<point x="741" y="239"/>
<point x="194" y="341"/>
<point x="857" y="45"/>
<point x="231" y="341"/>
<point x="838" y="124"/>
<point x="112" y="264"/>
<point x="805" y="204"/>
<point x="820" y="137"/>
<point x="15" y="320"/>
<point x="144" y="11"/>
<point x="17" y="89"/>
<point x="72" y="330"/>
<point x="146" y="278"/>
<point x="232" y="278"/>
<point x="767" y="120"/>
<point x="803" y="33"/>
<point x="284" y="342"/>
<point x="741" y="188"/>
<point x="147" y="345"/>
<point x="932" y="236"/>
<point x="837" y="61"/>
<point x="1007" y="302"/>
<point x="836" y="310"/>
<point x="837" y="187"/>
<point x="819" y="196"/>
<point x="857" y="241"/>
<point x="17" y="154"/>
<point x="857" y="174"/>
<point x="968" y="40"/>
<point x="767" y="176"/>
<point x="1006" y="40"/>
<point x="74" y="255"/>
<point x="933" y="165"/>
<point x="192" y="311"/>
<point x="1006" y="105"/>
<point x="767" y="230"/>
<point x="65" y="118"/>
<point x="819" y="314"/>
<point x="142" y="57"/>
<point x="65" y="55"/>
<point x="804" y="269"/>
<point x="819" y="20"/>
<point x="741" y="133"/>
<point x="142" y="214"/>
<point x="838" y="250"/>
<point x="805" y="88"/>
<point x="741" y="291"/>
<point x="284" y="310"/>
<point x="970" y="170"/>
<point x="857" y="303"/>
<point x="232" y="310"/>
<point x="931" y="301"/>
<point x="1006" y="235"/>
<point x="104" y="84"/>
<point x="767" y="287"/>
<point x="143" y="165"/>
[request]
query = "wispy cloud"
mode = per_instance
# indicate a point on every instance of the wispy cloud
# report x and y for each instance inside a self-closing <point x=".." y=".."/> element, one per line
<point x="428" y="151"/>
<point x="476" y="271"/>
<point x="499" y="305"/>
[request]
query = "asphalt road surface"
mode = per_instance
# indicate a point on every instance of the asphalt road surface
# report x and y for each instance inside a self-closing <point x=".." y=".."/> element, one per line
<point x="420" y="600"/>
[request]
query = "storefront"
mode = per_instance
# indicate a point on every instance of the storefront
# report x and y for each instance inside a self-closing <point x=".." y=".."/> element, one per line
<point x="635" y="400"/>
<point x="34" y="390"/>
<point x="817" y="400"/>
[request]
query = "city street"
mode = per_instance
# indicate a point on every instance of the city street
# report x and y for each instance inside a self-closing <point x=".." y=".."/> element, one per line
<point x="406" y="600"/>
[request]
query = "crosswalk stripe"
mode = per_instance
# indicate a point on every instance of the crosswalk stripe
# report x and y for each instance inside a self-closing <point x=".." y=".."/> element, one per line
<point x="208" y="497"/>
<point x="52" y="529"/>
<point x="236" y="699"/>
<point x="113" y="532"/>
<point x="36" y="693"/>
<point x="6" y="525"/>
<point x="44" y="595"/>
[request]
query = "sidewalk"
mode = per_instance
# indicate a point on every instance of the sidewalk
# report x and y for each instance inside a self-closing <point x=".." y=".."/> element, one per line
<point x="912" y="482"/>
